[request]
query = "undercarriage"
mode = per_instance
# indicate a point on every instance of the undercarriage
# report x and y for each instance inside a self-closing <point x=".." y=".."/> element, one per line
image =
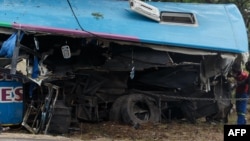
<point x="95" y="80"/>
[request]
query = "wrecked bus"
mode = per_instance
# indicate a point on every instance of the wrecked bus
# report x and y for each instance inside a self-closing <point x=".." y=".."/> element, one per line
<point x="129" y="61"/>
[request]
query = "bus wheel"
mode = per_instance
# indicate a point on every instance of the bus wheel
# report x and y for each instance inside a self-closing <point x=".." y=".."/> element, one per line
<point x="115" y="111"/>
<point x="139" y="109"/>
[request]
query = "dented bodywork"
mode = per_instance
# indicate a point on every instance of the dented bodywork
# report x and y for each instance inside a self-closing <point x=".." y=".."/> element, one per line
<point x="96" y="64"/>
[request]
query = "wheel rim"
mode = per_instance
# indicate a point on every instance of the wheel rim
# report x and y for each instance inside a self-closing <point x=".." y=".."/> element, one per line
<point x="141" y="111"/>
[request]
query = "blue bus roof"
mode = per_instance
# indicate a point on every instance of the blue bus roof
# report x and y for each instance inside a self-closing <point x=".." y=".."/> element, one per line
<point x="220" y="27"/>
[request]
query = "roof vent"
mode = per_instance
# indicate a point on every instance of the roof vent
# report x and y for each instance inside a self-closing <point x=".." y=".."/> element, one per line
<point x="177" y="17"/>
<point x="154" y="13"/>
<point x="145" y="9"/>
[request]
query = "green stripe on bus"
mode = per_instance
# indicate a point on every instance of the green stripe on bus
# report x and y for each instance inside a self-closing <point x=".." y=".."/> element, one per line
<point x="5" y="25"/>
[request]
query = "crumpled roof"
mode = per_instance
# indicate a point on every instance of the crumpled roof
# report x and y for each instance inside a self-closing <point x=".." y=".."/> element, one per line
<point x="220" y="27"/>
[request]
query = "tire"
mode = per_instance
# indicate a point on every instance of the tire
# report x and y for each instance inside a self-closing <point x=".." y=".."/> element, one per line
<point x="61" y="119"/>
<point x="140" y="109"/>
<point x="115" y="111"/>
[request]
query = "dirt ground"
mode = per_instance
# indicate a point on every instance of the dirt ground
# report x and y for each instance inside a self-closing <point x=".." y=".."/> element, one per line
<point x="175" y="130"/>
<point x="109" y="131"/>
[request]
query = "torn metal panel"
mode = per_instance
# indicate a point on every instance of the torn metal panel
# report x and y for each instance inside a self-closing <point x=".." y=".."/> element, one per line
<point x="113" y="52"/>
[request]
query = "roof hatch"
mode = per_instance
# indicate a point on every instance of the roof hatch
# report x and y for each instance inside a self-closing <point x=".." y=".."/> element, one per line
<point x="177" y="17"/>
<point x="154" y="13"/>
